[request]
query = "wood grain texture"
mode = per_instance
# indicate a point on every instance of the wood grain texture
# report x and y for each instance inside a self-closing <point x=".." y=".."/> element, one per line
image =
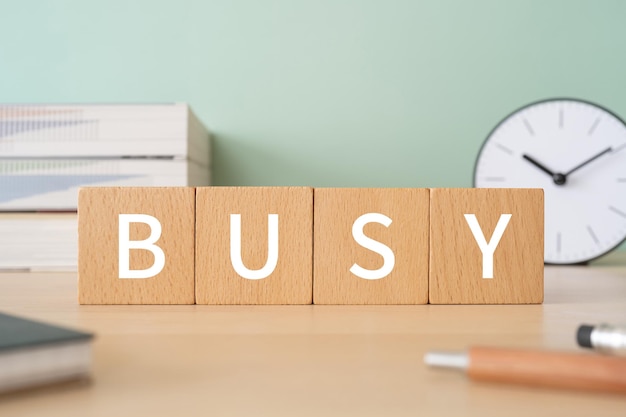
<point x="335" y="249"/>
<point x="312" y="360"/>
<point x="291" y="281"/>
<point x="98" y="243"/>
<point x="456" y="270"/>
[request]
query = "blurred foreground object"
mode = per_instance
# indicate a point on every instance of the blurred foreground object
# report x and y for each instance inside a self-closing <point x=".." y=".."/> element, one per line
<point x="537" y="368"/>
<point x="604" y="337"/>
<point x="34" y="353"/>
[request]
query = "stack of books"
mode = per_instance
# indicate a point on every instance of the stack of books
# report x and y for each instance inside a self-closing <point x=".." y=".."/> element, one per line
<point x="47" y="152"/>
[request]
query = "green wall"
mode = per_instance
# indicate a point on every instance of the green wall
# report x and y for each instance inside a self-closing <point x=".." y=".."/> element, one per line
<point x="322" y="93"/>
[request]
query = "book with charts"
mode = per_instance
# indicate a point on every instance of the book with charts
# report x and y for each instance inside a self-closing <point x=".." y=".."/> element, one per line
<point x="95" y="130"/>
<point x="52" y="184"/>
<point x="49" y="151"/>
<point x="33" y="353"/>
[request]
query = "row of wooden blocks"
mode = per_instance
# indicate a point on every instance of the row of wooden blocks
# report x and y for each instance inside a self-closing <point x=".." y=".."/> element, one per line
<point x="299" y="245"/>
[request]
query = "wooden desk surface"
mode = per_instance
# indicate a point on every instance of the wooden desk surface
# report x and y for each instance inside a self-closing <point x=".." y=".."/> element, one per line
<point x="310" y="360"/>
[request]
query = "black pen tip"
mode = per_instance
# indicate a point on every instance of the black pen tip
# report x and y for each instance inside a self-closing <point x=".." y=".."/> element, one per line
<point x="583" y="336"/>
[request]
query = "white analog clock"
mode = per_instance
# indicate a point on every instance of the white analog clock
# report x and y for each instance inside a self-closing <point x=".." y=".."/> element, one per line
<point x="576" y="152"/>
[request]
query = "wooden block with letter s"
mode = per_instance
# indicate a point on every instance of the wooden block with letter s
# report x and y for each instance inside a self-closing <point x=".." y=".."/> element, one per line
<point x="254" y="245"/>
<point x="136" y="245"/>
<point x="371" y="246"/>
<point x="486" y="246"/>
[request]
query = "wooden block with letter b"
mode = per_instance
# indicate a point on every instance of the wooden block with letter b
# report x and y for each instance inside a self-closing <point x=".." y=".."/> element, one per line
<point x="371" y="246"/>
<point x="254" y="245"/>
<point x="136" y="245"/>
<point x="486" y="246"/>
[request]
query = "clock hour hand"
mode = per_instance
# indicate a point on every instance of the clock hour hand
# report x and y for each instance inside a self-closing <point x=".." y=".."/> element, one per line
<point x="538" y="164"/>
<point x="593" y="158"/>
<point x="559" y="179"/>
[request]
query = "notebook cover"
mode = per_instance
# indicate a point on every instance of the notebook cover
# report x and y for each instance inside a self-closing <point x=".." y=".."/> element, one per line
<point x="17" y="333"/>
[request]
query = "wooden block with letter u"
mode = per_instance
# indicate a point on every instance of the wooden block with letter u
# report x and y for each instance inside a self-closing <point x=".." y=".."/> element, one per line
<point x="486" y="246"/>
<point x="371" y="246"/>
<point x="136" y="245"/>
<point x="254" y="245"/>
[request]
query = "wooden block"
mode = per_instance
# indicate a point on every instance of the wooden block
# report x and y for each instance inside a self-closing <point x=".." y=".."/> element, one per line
<point x="104" y="278"/>
<point x="259" y="269"/>
<point x="460" y="270"/>
<point x="391" y="270"/>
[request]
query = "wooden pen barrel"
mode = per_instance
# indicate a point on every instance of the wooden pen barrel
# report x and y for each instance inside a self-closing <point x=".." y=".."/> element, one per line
<point x="589" y="372"/>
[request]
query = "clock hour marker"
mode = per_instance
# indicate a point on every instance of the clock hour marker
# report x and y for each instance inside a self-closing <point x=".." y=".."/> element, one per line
<point x="558" y="242"/>
<point x="593" y="235"/>
<point x="617" y="211"/>
<point x="621" y="180"/>
<point x="504" y="148"/>
<point x="495" y="179"/>
<point x="593" y="126"/>
<point x="529" y="127"/>
<point x="561" y="118"/>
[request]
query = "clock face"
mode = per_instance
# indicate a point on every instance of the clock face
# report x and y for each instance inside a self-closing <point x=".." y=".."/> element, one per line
<point x="576" y="152"/>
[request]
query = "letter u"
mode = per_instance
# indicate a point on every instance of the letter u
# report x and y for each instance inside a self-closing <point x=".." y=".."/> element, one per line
<point x="272" y="248"/>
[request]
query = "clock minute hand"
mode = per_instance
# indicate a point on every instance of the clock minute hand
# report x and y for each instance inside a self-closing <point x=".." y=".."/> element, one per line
<point x="593" y="158"/>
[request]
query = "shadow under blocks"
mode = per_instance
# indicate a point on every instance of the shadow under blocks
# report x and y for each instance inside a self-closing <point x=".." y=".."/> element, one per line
<point x="299" y="245"/>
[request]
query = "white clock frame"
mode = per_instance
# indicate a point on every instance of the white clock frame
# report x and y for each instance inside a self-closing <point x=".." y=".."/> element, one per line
<point x="576" y="151"/>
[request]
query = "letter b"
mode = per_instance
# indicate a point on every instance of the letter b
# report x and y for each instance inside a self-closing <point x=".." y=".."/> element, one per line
<point x="125" y="245"/>
<point x="109" y="217"/>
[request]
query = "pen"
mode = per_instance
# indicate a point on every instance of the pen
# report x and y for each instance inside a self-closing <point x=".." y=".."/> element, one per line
<point x="604" y="337"/>
<point x="537" y="368"/>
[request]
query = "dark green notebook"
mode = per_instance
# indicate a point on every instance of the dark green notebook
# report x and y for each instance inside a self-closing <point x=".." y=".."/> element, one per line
<point x="35" y="353"/>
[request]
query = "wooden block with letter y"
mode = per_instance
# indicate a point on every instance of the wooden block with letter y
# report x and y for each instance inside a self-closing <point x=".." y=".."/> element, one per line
<point x="486" y="246"/>
<point x="254" y="245"/>
<point x="370" y="246"/>
<point x="136" y="245"/>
